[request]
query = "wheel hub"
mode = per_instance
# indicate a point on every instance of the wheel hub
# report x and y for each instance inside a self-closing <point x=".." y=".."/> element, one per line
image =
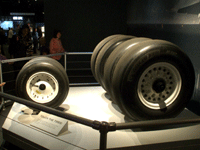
<point x="42" y="87"/>
<point x="159" y="85"/>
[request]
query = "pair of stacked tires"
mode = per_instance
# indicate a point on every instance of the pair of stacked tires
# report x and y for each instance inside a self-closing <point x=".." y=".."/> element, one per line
<point x="148" y="79"/>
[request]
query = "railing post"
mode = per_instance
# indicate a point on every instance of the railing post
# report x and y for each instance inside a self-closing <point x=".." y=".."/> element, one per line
<point x="103" y="135"/>
<point x="65" y="61"/>
<point x="104" y="128"/>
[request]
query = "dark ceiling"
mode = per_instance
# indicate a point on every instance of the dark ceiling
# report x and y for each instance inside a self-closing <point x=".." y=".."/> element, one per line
<point x="31" y="6"/>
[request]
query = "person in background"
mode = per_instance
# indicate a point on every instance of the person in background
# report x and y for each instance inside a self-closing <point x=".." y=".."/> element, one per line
<point x="43" y="49"/>
<point x="35" y="40"/>
<point x="17" y="29"/>
<point x="56" y="46"/>
<point x="2" y="84"/>
<point x="22" y="44"/>
<point x="24" y="39"/>
<point x="39" y="32"/>
<point x="2" y="57"/>
<point x="2" y="40"/>
<point x="14" y="47"/>
<point x="10" y="35"/>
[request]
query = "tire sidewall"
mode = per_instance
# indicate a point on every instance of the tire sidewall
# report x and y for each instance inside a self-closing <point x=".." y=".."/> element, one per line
<point x="103" y="55"/>
<point x="97" y="50"/>
<point x="28" y="71"/>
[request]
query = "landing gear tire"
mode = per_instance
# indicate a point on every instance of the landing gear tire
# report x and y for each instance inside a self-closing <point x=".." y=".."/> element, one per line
<point x="44" y="81"/>
<point x="153" y="80"/>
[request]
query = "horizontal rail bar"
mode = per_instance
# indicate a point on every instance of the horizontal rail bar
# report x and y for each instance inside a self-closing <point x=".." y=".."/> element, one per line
<point x="65" y="115"/>
<point x="28" y="58"/>
<point x="83" y="84"/>
<point x="79" y="53"/>
<point x="156" y="123"/>
<point x="49" y="55"/>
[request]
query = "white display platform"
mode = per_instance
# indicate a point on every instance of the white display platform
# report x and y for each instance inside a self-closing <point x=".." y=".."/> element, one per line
<point x="91" y="102"/>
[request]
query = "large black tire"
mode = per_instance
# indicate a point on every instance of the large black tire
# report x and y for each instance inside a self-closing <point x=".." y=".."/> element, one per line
<point x="103" y="55"/>
<point x="43" y="80"/>
<point x="114" y="58"/>
<point x="153" y="80"/>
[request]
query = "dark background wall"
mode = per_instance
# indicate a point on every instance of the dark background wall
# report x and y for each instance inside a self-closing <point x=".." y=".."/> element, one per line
<point x="174" y="20"/>
<point x="84" y="23"/>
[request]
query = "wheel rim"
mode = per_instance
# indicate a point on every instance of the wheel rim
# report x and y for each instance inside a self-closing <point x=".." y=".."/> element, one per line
<point x="159" y="85"/>
<point x="42" y="87"/>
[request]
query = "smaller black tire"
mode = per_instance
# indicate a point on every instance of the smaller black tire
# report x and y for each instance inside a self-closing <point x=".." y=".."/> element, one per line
<point x="43" y="80"/>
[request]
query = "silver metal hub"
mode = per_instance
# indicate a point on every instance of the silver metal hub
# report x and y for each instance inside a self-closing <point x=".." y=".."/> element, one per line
<point x="42" y="87"/>
<point x="159" y="85"/>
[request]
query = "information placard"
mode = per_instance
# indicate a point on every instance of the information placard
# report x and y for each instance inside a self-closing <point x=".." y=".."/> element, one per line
<point x="50" y="123"/>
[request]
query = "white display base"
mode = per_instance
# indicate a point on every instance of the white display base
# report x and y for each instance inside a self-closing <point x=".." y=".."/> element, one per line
<point x="91" y="102"/>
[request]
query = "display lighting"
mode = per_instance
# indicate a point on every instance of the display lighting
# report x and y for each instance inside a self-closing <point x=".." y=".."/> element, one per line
<point x="17" y="18"/>
<point x="6" y="25"/>
<point x="14" y="18"/>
